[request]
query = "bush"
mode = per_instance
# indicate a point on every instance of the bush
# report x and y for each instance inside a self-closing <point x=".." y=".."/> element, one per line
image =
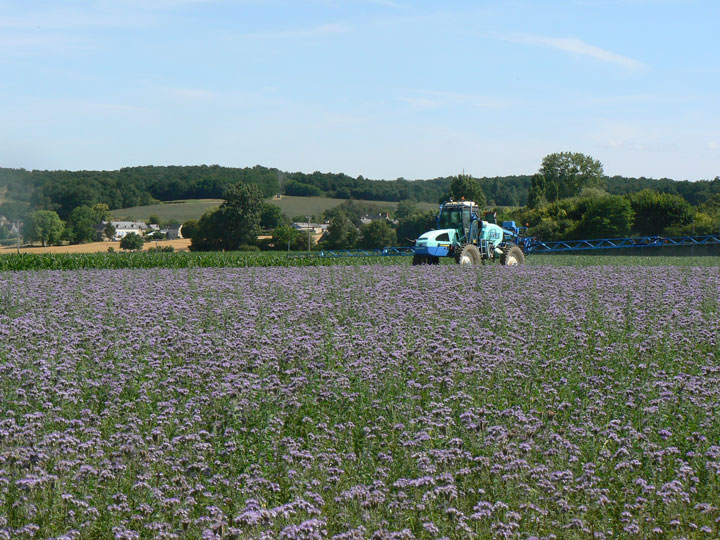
<point x="604" y="217"/>
<point x="655" y="212"/>
<point x="132" y="242"/>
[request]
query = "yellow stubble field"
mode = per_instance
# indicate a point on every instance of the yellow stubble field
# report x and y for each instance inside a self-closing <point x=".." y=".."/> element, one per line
<point x="180" y="244"/>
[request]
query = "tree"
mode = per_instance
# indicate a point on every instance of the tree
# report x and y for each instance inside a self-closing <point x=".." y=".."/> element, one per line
<point x="189" y="227"/>
<point x="566" y="173"/>
<point x="109" y="230"/>
<point x="235" y="223"/>
<point x="81" y="225"/>
<point x="132" y="242"/>
<point x="405" y="209"/>
<point x="353" y="210"/>
<point x="270" y="217"/>
<point x="284" y="235"/>
<point x="464" y="186"/>
<point x="412" y="226"/>
<point x="610" y="216"/>
<point x="655" y="212"/>
<point x="207" y="236"/>
<point x="341" y="233"/>
<point x="377" y="234"/>
<point x="44" y="225"/>
<point x="15" y="212"/>
<point x="102" y="212"/>
<point x="536" y="195"/>
<point x="153" y="219"/>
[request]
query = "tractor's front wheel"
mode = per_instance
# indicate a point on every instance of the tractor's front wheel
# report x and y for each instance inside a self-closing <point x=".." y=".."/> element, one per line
<point x="469" y="254"/>
<point x="419" y="259"/>
<point x="512" y="255"/>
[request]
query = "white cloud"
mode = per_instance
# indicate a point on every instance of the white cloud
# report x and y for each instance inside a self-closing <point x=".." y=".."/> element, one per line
<point x="579" y="47"/>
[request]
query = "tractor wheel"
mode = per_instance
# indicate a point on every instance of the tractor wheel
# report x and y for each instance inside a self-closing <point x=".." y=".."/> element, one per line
<point x="512" y="255"/>
<point x="433" y="260"/>
<point x="419" y="259"/>
<point x="469" y="254"/>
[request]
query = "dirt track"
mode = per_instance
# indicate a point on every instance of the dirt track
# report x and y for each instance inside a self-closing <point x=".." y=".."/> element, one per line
<point x="94" y="247"/>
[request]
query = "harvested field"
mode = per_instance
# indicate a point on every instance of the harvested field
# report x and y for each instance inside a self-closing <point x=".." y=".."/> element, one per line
<point x="180" y="244"/>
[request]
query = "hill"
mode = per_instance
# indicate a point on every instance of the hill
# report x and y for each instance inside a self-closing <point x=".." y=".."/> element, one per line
<point x="183" y="210"/>
<point x="131" y="187"/>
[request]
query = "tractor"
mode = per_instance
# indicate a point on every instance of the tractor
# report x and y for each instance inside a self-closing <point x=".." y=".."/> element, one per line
<point x="461" y="232"/>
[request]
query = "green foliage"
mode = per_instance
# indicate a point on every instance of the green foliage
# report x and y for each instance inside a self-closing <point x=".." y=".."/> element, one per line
<point x="14" y="211"/>
<point x="466" y="187"/>
<point x="341" y="233"/>
<point x="300" y="189"/>
<point x="655" y="212"/>
<point x="271" y="216"/>
<point x="154" y="219"/>
<point x="236" y="222"/>
<point x="354" y="211"/>
<point x="702" y="223"/>
<point x="189" y="228"/>
<point x="45" y="226"/>
<point x="610" y="216"/>
<point x="132" y="242"/>
<point x="377" y="234"/>
<point x="81" y="225"/>
<point x="109" y="230"/>
<point x="413" y="225"/>
<point x="101" y="211"/>
<point x="405" y="209"/>
<point x="537" y="194"/>
<point x="563" y="175"/>
<point x="553" y="221"/>
<point x="284" y="236"/>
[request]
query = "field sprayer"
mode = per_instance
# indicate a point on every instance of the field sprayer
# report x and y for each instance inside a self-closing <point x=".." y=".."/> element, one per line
<point x="461" y="233"/>
<point x="472" y="238"/>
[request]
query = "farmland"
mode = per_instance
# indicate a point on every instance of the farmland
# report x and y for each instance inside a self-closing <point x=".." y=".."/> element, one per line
<point x="345" y="402"/>
<point x="290" y="206"/>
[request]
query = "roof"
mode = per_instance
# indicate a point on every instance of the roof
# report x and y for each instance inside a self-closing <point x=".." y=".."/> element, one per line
<point x="136" y="225"/>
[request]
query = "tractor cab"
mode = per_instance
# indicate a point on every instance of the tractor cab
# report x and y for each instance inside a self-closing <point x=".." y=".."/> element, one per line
<point x="458" y="216"/>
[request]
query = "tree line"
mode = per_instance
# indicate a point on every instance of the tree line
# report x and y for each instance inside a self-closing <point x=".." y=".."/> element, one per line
<point x="569" y="197"/>
<point x="62" y="191"/>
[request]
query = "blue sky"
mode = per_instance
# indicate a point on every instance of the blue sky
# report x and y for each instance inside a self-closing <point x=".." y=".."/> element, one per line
<point x="378" y="88"/>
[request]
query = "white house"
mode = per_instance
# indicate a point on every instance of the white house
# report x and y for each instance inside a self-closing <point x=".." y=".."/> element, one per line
<point x="123" y="228"/>
<point x="316" y="230"/>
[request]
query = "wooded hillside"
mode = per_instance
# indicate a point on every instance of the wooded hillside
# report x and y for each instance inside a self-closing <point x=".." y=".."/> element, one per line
<point x="64" y="190"/>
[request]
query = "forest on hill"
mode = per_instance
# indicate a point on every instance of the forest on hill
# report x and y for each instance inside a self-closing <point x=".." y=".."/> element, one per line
<point x="62" y="191"/>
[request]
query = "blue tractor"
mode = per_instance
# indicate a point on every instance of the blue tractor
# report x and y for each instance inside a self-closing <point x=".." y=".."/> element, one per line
<point x="471" y="238"/>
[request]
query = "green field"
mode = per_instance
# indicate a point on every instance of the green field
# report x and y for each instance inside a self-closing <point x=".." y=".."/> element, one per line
<point x="11" y="262"/>
<point x="290" y="206"/>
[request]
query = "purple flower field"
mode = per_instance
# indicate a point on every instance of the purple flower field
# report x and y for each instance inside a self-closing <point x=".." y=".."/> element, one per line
<point x="360" y="402"/>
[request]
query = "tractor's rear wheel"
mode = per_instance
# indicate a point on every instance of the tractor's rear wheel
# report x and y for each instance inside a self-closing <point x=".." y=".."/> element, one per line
<point x="469" y="254"/>
<point x="420" y="259"/>
<point x="512" y="255"/>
